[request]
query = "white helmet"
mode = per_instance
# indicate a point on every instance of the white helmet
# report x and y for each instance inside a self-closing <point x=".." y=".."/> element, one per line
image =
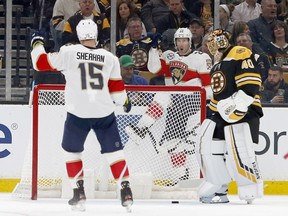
<point x="87" y="29"/>
<point x="183" y="33"/>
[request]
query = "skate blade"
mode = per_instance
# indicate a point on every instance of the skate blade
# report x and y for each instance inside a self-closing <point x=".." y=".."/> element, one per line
<point x="214" y="200"/>
<point x="79" y="206"/>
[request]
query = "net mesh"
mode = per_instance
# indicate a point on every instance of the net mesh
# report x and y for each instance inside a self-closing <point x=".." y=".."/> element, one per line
<point x="166" y="150"/>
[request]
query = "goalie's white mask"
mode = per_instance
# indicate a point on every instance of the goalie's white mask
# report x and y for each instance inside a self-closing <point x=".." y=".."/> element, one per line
<point x="87" y="29"/>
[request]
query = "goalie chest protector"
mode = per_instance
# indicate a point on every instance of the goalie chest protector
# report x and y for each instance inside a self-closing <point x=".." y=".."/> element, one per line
<point x="237" y="70"/>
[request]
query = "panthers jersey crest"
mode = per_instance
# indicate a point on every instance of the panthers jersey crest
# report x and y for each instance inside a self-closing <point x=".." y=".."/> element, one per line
<point x="178" y="70"/>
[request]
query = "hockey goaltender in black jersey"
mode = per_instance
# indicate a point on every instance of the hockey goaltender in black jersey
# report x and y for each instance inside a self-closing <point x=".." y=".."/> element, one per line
<point x="225" y="141"/>
<point x="236" y="70"/>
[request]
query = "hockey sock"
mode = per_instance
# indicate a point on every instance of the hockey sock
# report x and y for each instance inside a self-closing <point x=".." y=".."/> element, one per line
<point x="117" y="164"/>
<point x="74" y="167"/>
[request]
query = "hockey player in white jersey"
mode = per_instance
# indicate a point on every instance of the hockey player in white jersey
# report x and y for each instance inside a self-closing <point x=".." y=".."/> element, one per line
<point x="93" y="87"/>
<point x="180" y="68"/>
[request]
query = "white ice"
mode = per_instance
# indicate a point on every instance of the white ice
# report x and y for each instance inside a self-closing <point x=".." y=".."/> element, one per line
<point x="267" y="206"/>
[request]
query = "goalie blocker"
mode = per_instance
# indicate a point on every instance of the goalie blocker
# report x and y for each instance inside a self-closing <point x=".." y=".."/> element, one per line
<point x="224" y="160"/>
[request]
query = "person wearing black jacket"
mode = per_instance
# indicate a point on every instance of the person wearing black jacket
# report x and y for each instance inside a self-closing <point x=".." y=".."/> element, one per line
<point x="178" y="17"/>
<point x="86" y="12"/>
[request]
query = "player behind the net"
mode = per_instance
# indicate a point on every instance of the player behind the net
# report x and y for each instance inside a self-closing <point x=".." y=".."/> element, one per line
<point x="226" y="140"/>
<point x="93" y="87"/>
<point x="180" y="68"/>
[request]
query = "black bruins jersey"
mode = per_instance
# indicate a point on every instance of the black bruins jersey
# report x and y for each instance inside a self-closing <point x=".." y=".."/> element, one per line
<point x="70" y="34"/>
<point x="138" y="49"/>
<point x="237" y="70"/>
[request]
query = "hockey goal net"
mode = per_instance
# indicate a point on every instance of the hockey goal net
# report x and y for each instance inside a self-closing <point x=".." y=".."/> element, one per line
<point x="165" y="157"/>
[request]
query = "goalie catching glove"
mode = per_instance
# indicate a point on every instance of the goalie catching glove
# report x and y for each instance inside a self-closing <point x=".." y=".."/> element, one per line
<point x="234" y="108"/>
<point x="36" y="38"/>
<point x="127" y="106"/>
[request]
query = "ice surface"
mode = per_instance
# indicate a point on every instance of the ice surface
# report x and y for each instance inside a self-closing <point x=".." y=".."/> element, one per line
<point x="267" y="206"/>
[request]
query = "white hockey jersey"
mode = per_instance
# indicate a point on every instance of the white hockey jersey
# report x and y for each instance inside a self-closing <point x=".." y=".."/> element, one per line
<point x="93" y="79"/>
<point x="190" y="70"/>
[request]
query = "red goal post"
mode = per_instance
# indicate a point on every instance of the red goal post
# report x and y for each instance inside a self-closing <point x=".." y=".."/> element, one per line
<point x="169" y="158"/>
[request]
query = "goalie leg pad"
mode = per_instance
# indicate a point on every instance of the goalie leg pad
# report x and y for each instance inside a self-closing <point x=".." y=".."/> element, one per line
<point x="211" y="159"/>
<point x="243" y="161"/>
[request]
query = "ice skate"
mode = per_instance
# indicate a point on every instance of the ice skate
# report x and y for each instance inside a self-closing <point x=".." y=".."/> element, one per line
<point x="126" y="195"/>
<point x="78" y="200"/>
<point x="136" y="133"/>
<point x="215" y="198"/>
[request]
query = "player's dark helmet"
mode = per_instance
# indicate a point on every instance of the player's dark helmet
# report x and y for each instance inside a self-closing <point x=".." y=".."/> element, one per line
<point x="218" y="40"/>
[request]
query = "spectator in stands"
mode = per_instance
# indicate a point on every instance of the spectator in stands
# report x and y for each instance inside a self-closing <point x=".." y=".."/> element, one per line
<point x="197" y="29"/>
<point x="261" y="27"/>
<point x="204" y="9"/>
<point x="263" y="62"/>
<point x="278" y="50"/>
<point x="167" y="40"/>
<point x="152" y="11"/>
<point x="137" y="46"/>
<point x="246" y="11"/>
<point x="128" y="74"/>
<point x="105" y="7"/>
<point x="282" y="11"/>
<point x="62" y="11"/>
<point x="238" y="28"/>
<point x="189" y="4"/>
<point x="125" y="10"/>
<point x="204" y="47"/>
<point x="225" y="12"/>
<point x="178" y="17"/>
<point x="86" y="12"/>
<point x="274" y="89"/>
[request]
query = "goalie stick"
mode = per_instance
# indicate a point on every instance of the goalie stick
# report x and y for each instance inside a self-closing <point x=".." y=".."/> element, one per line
<point x="184" y="139"/>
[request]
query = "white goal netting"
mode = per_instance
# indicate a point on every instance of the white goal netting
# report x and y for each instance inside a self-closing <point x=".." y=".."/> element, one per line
<point x="165" y="156"/>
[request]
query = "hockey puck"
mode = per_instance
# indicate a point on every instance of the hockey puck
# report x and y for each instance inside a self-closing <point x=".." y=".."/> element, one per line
<point x="175" y="202"/>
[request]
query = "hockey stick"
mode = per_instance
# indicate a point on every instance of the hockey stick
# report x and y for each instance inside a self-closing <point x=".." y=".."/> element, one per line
<point x="41" y="14"/>
<point x="183" y="139"/>
<point x="154" y="143"/>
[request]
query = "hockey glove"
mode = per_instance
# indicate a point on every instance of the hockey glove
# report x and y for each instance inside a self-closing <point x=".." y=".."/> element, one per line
<point x="234" y="108"/>
<point x="156" y="38"/>
<point x="36" y="38"/>
<point x="127" y="106"/>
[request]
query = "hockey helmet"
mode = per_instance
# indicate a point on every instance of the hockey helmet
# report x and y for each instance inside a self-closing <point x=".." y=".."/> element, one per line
<point x="218" y="40"/>
<point x="183" y="33"/>
<point x="87" y="29"/>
